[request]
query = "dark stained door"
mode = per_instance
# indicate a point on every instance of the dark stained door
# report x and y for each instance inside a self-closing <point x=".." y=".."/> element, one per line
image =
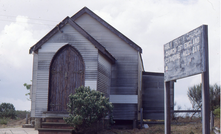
<point x="66" y="74"/>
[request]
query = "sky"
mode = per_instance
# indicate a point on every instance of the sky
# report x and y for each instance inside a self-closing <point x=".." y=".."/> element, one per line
<point x="148" y="23"/>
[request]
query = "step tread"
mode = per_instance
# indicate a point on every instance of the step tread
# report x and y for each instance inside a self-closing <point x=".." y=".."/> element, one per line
<point x="54" y="117"/>
<point x="54" y="123"/>
<point x="54" y="129"/>
<point x="55" y="112"/>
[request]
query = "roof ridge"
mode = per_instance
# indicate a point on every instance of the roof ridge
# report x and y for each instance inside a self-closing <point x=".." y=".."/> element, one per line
<point x="107" y="25"/>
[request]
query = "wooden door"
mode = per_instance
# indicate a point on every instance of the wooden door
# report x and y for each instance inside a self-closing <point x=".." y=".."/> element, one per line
<point x="66" y="74"/>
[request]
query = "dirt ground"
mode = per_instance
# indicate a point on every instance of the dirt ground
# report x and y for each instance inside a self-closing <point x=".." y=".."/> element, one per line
<point x="13" y="123"/>
<point x="182" y="126"/>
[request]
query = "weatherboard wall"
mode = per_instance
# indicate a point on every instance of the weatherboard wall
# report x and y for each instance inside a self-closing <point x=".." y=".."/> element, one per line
<point x="43" y="59"/>
<point x="34" y="83"/>
<point x="153" y="96"/>
<point x="124" y="76"/>
<point x="104" y="75"/>
<point x="140" y="71"/>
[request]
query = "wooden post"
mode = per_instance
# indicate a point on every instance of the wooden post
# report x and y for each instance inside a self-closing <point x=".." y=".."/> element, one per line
<point x="205" y="104"/>
<point x="26" y="119"/>
<point x="134" y="124"/>
<point x="211" y="121"/>
<point x="37" y="123"/>
<point x="141" y="118"/>
<point x="167" y="120"/>
<point x="205" y="86"/>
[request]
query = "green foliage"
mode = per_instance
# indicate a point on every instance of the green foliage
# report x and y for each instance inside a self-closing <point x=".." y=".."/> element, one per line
<point x="214" y="96"/>
<point x="28" y="87"/>
<point x="195" y="96"/>
<point x="7" y="110"/>
<point x="216" y="112"/>
<point x="21" y="114"/>
<point x="4" y="121"/>
<point x="191" y="132"/>
<point x="86" y="107"/>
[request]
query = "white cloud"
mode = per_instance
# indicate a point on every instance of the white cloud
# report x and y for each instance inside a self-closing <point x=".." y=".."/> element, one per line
<point x="16" y="63"/>
<point x="151" y="24"/>
<point x="15" y="40"/>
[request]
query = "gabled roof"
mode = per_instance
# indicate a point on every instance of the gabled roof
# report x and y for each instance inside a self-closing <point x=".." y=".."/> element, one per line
<point x="56" y="29"/>
<point x="108" y="26"/>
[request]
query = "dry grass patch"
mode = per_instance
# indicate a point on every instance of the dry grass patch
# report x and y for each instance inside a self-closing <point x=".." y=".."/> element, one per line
<point x="179" y="126"/>
<point x="12" y="123"/>
<point x="217" y="122"/>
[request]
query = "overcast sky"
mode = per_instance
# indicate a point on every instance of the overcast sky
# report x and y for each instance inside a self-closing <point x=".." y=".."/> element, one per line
<point x="149" y="23"/>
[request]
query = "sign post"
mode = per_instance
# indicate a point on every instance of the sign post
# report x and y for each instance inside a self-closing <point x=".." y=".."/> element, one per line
<point x="185" y="56"/>
<point x="205" y="87"/>
<point x="167" y="113"/>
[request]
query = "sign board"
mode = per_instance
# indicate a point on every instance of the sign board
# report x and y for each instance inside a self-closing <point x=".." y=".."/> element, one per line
<point x="184" y="56"/>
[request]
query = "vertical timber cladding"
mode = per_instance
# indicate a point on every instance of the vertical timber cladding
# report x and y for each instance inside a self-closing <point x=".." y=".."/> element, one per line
<point x="66" y="73"/>
<point x="184" y="56"/>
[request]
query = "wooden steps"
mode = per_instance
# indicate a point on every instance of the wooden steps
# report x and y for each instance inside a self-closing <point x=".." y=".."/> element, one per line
<point x="55" y="125"/>
<point x="59" y="125"/>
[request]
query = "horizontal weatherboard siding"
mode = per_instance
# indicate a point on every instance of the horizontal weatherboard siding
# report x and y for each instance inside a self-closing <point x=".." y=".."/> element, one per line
<point x="123" y="91"/>
<point x="123" y="99"/>
<point x="125" y="111"/>
<point x="104" y="75"/>
<point x="153" y="95"/>
<point x="91" y="84"/>
<point x="124" y="72"/>
<point x="46" y="53"/>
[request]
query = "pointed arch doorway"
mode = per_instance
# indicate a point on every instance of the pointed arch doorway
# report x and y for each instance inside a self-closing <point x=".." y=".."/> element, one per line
<point x="66" y="73"/>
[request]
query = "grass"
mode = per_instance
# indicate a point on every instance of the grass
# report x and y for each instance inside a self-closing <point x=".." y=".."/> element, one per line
<point x="8" y="122"/>
<point x="180" y="126"/>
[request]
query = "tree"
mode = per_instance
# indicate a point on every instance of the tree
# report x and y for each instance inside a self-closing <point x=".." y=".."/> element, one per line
<point x="86" y="107"/>
<point x="28" y="87"/>
<point x="195" y="96"/>
<point x="7" y="110"/>
<point x="214" y="97"/>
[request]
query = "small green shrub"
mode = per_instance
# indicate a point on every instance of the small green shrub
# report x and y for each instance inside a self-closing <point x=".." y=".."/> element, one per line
<point x="86" y="107"/>
<point x="191" y="132"/>
<point x="7" y="110"/>
<point x="216" y="112"/>
<point x="4" y="121"/>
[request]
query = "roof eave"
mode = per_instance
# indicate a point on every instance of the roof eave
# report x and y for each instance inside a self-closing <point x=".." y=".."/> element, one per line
<point x="57" y="28"/>
<point x="92" y="40"/>
<point x="49" y="35"/>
